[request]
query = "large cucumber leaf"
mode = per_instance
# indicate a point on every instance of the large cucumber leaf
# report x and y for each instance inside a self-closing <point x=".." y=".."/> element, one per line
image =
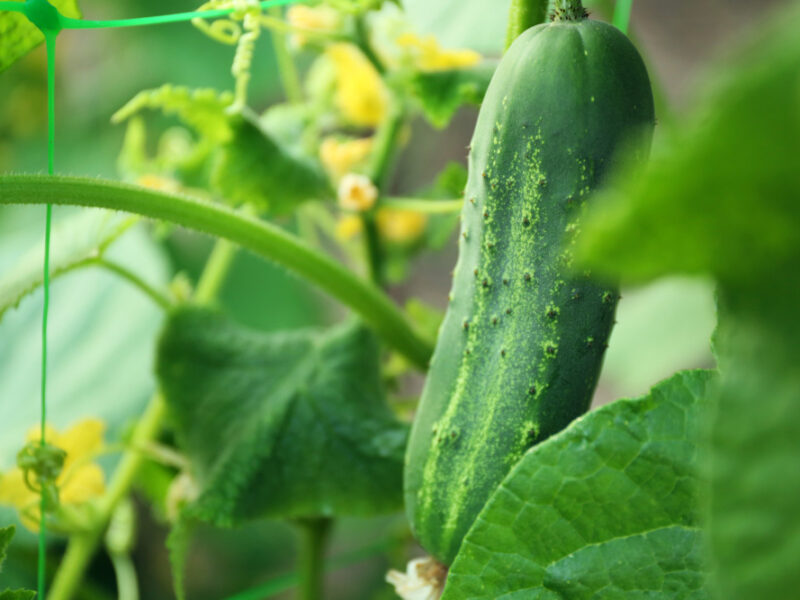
<point x="287" y="425"/>
<point x="605" y="509"/>
<point x="18" y="35"/>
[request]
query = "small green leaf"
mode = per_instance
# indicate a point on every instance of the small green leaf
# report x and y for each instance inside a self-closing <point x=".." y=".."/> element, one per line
<point x="288" y="425"/>
<point x="605" y="509"/>
<point x="254" y="167"/>
<point x="204" y="110"/>
<point x="720" y="195"/>
<point x="75" y="242"/>
<point x="6" y="533"/>
<point x="442" y="93"/>
<point x="18" y="35"/>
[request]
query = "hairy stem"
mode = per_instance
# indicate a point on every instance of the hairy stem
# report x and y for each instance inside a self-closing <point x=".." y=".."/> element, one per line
<point x="362" y="41"/>
<point x="215" y="272"/>
<point x="568" y="10"/>
<point x="311" y="560"/>
<point x="258" y="236"/>
<point x="523" y="15"/>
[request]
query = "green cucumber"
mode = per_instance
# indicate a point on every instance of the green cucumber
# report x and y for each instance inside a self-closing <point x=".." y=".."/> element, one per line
<point x="522" y="344"/>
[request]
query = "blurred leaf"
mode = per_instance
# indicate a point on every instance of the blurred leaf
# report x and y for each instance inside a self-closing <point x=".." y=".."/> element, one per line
<point x="284" y="425"/>
<point x="254" y="168"/>
<point x="18" y="35"/>
<point x="100" y="336"/>
<point x="442" y="93"/>
<point x="755" y="441"/>
<point x="75" y="242"/>
<point x="720" y="196"/>
<point x="6" y="534"/>
<point x="607" y="508"/>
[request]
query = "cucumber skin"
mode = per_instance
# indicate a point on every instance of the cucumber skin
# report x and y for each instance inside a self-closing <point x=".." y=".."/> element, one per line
<point x="521" y="347"/>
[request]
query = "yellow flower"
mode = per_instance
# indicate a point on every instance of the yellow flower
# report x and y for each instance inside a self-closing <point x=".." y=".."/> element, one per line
<point x="319" y="19"/>
<point x="340" y="157"/>
<point x="357" y="193"/>
<point x="401" y="226"/>
<point x="348" y="227"/>
<point x="158" y="182"/>
<point x="361" y="95"/>
<point x="428" y="55"/>
<point x="80" y="479"/>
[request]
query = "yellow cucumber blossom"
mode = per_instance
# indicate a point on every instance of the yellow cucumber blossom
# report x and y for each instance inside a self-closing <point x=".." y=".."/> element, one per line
<point x="342" y="156"/>
<point x="316" y="19"/>
<point x="75" y="481"/>
<point x="357" y="193"/>
<point x="361" y="95"/>
<point x="427" y="55"/>
<point x="401" y="226"/>
<point x="348" y="227"/>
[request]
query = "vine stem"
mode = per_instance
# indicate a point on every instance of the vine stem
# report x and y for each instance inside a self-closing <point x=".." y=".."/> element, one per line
<point x="83" y="546"/>
<point x="160" y="299"/>
<point x="263" y="238"/>
<point x="286" y="67"/>
<point x="315" y="534"/>
<point x="523" y="15"/>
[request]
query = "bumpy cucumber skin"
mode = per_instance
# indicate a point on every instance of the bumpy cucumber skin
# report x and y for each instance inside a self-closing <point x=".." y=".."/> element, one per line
<point x="522" y="344"/>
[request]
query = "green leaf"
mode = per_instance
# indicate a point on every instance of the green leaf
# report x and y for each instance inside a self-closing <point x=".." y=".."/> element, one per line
<point x="6" y="533"/>
<point x="286" y="425"/>
<point x="204" y="110"/>
<point x="442" y="93"/>
<point x="754" y="524"/>
<point x="18" y="35"/>
<point x="720" y="195"/>
<point x="605" y="509"/>
<point x="78" y="241"/>
<point x="253" y="167"/>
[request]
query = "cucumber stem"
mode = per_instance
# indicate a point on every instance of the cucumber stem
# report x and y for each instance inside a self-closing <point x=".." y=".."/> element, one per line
<point x="523" y="15"/>
<point x="569" y="10"/>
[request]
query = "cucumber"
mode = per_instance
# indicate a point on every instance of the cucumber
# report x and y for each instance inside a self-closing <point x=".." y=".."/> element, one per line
<point x="522" y="344"/>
